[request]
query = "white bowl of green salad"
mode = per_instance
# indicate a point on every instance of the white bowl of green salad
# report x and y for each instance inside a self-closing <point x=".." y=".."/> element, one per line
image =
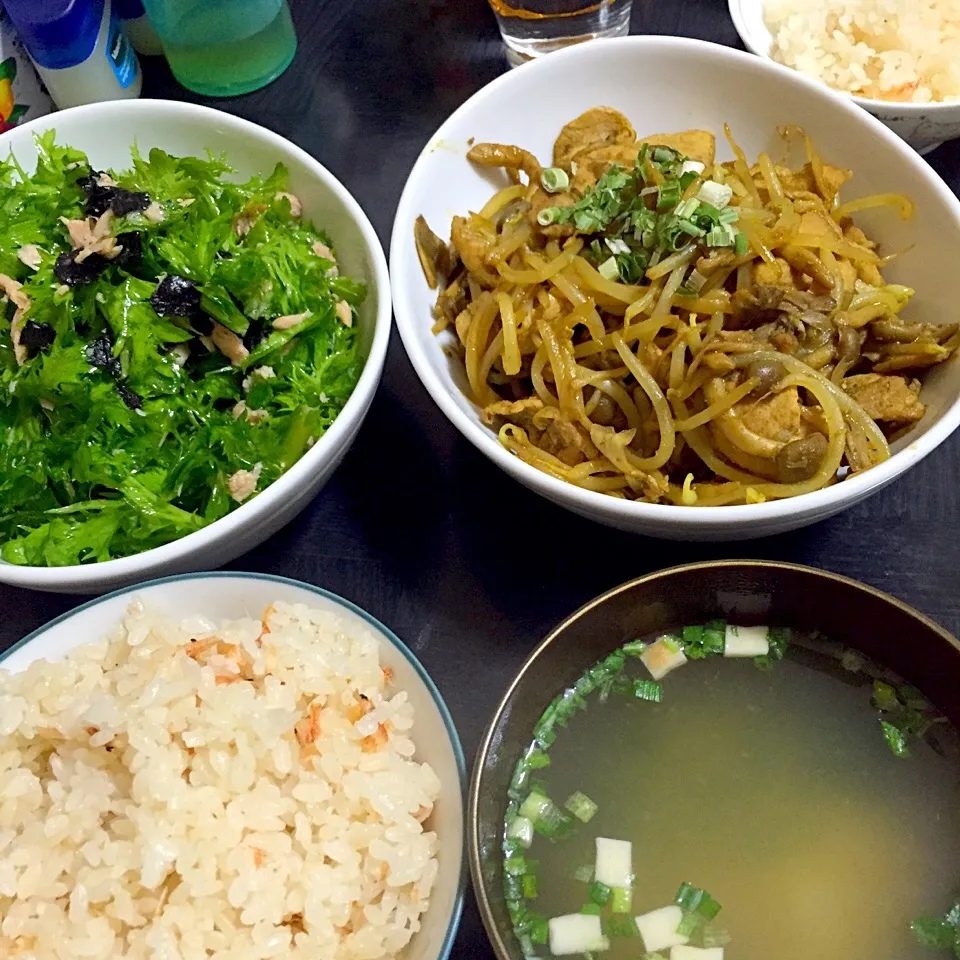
<point x="194" y="315"/>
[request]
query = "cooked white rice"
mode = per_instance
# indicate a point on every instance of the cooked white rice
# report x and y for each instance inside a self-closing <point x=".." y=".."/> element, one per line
<point x="902" y="50"/>
<point x="194" y="790"/>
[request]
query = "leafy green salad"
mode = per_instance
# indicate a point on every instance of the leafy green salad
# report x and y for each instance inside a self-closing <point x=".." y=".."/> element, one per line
<point x="171" y="342"/>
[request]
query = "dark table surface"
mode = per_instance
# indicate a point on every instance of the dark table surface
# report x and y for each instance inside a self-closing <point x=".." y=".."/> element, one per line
<point x="429" y="549"/>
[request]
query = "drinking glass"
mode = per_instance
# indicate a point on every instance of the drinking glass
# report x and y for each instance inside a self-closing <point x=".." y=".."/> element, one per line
<point x="531" y="28"/>
<point x="222" y="48"/>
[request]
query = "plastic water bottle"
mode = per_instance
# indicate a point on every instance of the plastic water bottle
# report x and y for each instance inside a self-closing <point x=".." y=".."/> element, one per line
<point x="222" y="48"/>
<point x="79" y="49"/>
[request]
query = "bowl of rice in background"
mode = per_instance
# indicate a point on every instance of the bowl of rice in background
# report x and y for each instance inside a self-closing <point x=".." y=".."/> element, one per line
<point x="226" y="764"/>
<point x="896" y="58"/>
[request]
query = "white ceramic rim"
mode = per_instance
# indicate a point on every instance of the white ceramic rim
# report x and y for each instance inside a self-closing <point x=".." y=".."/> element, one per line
<point x="78" y="576"/>
<point x="381" y="629"/>
<point x="907" y="110"/>
<point x="819" y="503"/>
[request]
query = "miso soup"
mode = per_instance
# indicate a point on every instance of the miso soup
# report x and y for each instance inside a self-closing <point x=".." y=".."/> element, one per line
<point x="772" y="793"/>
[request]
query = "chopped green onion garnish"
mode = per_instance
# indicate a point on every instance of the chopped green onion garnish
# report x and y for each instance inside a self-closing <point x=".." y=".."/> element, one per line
<point x="672" y="642"/>
<point x="609" y="269"/>
<point x="521" y="830"/>
<point x="599" y="892"/>
<point x="547" y="216"/>
<point x="591" y="909"/>
<point x="535" y="806"/>
<point x="691" y="925"/>
<point x="721" y="236"/>
<point x="554" y="179"/>
<point x="668" y="194"/>
<point x="716" y="194"/>
<point x="581" y="806"/>
<point x="634" y="648"/>
<point x="934" y="933"/>
<point x="689" y="228"/>
<point x="515" y="865"/>
<point x="530" y="886"/>
<point x="546" y="737"/>
<point x="729" y="215"/>
<point x="687" y="208"/>
<point x="518" y="785"/>
<point x="551" y="821"/>
<point x="885" y="696"/>
<point x="613" y="663"/>
<point x="709" y="211"/>
<point x="779" y="638"/>
<point x="694" y="899"/>
<point x="663" y="154"/>
<point x="622" y="900"/>
<point x="511" y="847"/>
<point x="687" y="178"/>
<point x="651" y="690"/>
<point x="896" y="739"/>
<point x="740" y="244"/>
<point x="538" y="760"/>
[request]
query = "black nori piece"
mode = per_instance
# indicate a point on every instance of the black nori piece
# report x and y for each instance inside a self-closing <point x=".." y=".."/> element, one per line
<point x="101" y="198"/>
<point x="127" y="201"/>
<point x="131" y="255"/>
<point x="67" y="270"/>
<point x="255" y="333"/>
<point x="130" y="397"/>
<point x="36" y="337"/>
<point x="176" y="297"/>
<point x="100" y="354"/>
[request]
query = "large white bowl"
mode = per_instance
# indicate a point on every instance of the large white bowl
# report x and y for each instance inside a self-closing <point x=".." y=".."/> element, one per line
<point x="664" y="84"/>
<point x="106" y="132"/>
<point x="229" y="596"/>
<point x="923" y="125"/>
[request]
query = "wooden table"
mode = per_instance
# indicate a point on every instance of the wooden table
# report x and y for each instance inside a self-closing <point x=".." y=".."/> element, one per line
<point x="416" y="526"/>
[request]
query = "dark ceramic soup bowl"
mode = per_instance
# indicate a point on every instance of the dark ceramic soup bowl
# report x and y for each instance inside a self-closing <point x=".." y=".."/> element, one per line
<point x="748" y="592"/>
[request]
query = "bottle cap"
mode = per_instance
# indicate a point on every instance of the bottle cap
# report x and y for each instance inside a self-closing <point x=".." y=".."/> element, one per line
<point x="57" y="33"/>
<point x="128" y="9"/>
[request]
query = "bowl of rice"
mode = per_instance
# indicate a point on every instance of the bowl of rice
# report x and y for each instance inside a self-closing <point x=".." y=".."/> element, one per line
<point x="226" y="765"/>
<point x="898" y="59"/>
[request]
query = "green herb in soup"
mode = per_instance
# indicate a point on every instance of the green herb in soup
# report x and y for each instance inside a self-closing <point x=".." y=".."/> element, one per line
<point x="651" y="795"/>
<point x="170" y="343"/>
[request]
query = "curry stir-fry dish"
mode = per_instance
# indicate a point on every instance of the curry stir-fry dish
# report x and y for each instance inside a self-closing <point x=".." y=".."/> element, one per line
<point x="640" y="320"/>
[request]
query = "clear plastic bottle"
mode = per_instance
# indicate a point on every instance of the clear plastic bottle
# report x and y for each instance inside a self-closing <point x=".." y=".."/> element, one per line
<point x="222" y="48"/>
<point x="79" y="49"/>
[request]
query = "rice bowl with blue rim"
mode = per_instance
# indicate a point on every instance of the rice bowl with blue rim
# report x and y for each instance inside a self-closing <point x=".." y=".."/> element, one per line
<point x="266" y="845"/>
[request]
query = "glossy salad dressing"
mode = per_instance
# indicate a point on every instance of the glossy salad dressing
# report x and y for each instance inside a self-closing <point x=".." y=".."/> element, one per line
<point x="774" y="791"/>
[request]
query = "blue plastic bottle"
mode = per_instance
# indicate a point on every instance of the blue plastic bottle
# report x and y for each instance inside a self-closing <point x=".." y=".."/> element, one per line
<point x="79" y="49"/>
